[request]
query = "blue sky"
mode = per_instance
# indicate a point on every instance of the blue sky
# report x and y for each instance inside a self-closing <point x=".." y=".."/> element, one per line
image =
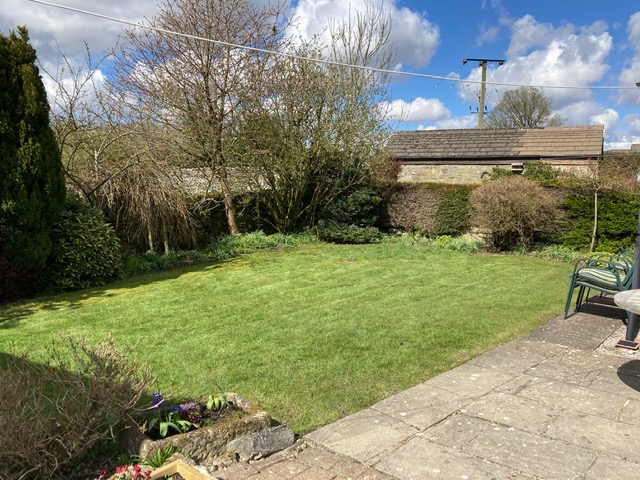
<point x="543" y="42"/>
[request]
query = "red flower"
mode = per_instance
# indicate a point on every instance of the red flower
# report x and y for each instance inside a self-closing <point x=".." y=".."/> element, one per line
<point x="148" y="473"/>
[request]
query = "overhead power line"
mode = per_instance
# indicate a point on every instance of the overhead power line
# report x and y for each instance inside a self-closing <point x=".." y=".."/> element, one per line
<point x="325" y="61"/>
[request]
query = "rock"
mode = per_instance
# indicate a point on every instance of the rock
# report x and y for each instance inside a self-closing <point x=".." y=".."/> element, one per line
<point x="261" y="443"/>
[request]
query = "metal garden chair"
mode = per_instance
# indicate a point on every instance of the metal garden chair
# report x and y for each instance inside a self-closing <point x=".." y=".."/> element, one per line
<point x="603" y="272"/>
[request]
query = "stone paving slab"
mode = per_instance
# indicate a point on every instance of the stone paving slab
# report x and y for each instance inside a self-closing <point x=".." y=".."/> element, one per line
<point x="422" y="405"/>
<point x="421" y="458"/>
<point x="508" y="360"/>
<point x="532" y="454"/>
<point x="524" y="413"/>
<point x="574" y="398"/>
<point x="598" y="434"/>
<point x="364" y="435"/>
<point x="471" y="380"/>
<point x="610" y="467"/>
<point x="456" y="431"/>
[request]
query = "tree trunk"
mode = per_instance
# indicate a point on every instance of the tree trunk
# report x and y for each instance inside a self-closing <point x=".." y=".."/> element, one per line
<point x="229" y="209"/>
<point x="595" y="221"/>
<point x="165" y="238"/>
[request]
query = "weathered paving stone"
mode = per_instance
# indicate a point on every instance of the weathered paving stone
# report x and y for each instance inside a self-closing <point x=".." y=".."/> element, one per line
<point x="624" y="385"/>
<point x="523" y="413"/>
<point x="541" y="348"/>
<point x="470" y="380"/>
<point x="422" y="406"/>
<point x="597" y="433"/>
<point x="508" y="359"/>
<point x="532" y="454"/>
<point x="609" y="467"/>
<point x="456" y="431"/>
<point x="422" y="459"/>
<point x="574" y="398"/>
<point x="630" y="413"/>
<point x="592" y="361"/>
<point x="563" y="373"/>
<point x="364" y="435"/>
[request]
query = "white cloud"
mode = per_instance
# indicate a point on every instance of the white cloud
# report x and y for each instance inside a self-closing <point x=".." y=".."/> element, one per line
<point x="608" y="118"/>
<point x="413" y="37"/>
<point x="469" y="121"/>
<point x="631" y="74"/>
<point x="540" y="54"/>
<point x="50" y="26"/>
<point x="487" y="35"/>
<point x="418" y="110"/>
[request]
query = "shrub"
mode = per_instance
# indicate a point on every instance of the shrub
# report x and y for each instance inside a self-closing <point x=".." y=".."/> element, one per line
<point x="510" y="210"/>
<point x="347" y="234"/>
<point x="359" y="208"/>
<point x="458" y="244"/>
<point x="52" y="414"/>
<point x="429" y="209"/>
<point x="617" y="221"/>
<point x="452" y="216"/>
<point x="411" y="208"/>
<point x="86" y="250"/>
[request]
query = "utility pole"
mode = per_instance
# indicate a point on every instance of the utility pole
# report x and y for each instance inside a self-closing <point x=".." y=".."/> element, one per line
<point x="483" y="86"/>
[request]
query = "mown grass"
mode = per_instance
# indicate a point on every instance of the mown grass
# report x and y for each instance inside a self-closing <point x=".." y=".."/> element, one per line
<point x="312" y="333"/>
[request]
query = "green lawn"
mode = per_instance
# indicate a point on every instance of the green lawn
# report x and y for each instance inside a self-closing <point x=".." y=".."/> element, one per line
<point x="312" y="333"/>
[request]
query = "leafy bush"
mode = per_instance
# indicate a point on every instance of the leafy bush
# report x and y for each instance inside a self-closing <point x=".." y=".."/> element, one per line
<point x="557" y="252"/>
<point x="347" y="234"/>
<point x="510" y="210"/>
<point x="86" y="251"/>
<point x="617" y="221"/>
<point x="458" y="244"/>
<point x="359" y="208"/>
<point x="52" y="414"/>
<point x="411" y="208"/>
<point x="543" y="173"/>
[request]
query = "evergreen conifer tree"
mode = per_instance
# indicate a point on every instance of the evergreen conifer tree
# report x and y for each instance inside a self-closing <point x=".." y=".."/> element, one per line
<point x="32" y="186"/>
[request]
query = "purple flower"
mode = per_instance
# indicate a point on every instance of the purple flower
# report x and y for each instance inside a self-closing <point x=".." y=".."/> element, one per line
<point x="176" y="410"/>
<point x="158" y="400"/>
<point x="192" y="411"/>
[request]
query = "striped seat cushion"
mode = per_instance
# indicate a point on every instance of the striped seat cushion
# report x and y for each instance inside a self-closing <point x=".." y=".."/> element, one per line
<point x="597" y="276"/>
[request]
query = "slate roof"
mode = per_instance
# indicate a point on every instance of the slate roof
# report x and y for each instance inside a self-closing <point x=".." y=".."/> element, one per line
<point x="509" y="143"/>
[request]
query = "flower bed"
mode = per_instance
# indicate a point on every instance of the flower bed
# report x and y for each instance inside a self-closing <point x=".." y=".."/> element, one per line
<point x="204" y="444"/>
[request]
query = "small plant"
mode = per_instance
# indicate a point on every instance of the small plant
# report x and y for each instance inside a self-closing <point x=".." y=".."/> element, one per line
<point x="160" y="456"/>
<point x="162" y="421"/>
<point x="126" y="472"/>
<point x="184" y="417"/>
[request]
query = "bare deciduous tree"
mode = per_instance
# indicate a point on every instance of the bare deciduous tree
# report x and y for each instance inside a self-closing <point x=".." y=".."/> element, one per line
<point x="200" y="88"/>
<point x="109" y="160"/>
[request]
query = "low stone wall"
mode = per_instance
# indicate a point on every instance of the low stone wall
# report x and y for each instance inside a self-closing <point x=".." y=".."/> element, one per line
<point x="465" y="173"/>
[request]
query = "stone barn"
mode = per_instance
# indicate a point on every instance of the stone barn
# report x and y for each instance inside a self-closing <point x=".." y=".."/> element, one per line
<point x="462" y="156"/>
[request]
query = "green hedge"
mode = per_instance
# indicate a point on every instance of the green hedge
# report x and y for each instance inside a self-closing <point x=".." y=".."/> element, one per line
<point x="617" y="221"/>
<point x="430" y="209"/>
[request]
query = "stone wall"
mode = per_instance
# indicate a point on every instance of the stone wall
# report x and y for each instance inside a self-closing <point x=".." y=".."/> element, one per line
<point x="464" y="173"/>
